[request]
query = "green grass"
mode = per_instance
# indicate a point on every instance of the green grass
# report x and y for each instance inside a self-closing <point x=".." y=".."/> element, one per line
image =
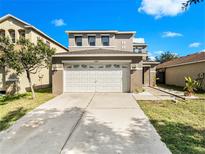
<point x="181" y="125"/>
<point x="14" y="107"/>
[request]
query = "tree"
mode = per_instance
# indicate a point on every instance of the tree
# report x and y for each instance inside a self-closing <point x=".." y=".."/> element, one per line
<point x="190" y="2"/>
<point x="166" y="56"/>
<point x="5" y="47"/>
<point x="29" y="57"/>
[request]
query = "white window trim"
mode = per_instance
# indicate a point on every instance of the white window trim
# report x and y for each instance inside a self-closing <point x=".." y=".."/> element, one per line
<point x="91" y="34"/>
<point x="104" y="34"/>
<point x="78" y="35"/>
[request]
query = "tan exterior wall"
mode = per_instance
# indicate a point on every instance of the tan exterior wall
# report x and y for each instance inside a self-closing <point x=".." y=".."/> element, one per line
<point x="57" y="82"/>
<point x="124" y="42"/>
<point x="146" y="71"/>
<point x="175" y="75"/>
<point x="152" y="78"/>
<point x="42" y="78"/>
<point x="136" y="80"/>
<point x="117" y="42"/>
<point x="14" y="25"/>
<point x="34" y="37"/>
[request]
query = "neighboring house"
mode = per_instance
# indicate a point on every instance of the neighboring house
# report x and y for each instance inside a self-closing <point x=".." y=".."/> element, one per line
<point x="173" y="72"/>
<point x="102" y="61"/>
<point x="15" y="28"/>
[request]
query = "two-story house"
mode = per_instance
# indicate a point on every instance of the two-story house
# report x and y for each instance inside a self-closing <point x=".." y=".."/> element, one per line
<point x="102" y="61"/>
<point x="15" y="28"/>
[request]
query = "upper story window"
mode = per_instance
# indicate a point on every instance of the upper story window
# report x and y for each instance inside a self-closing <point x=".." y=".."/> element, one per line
<point x="22" y="34"/>
<point x="78" y="40"/>
<point x="105" y="40"/>
<point x="12" y="35"/>
<point x="138" y="50"/>
<point x="91" y="40"/>
<point x="2" y="33"/>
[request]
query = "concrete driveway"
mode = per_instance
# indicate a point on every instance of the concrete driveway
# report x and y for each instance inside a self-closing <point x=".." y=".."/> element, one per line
<point x="86" y="123"/>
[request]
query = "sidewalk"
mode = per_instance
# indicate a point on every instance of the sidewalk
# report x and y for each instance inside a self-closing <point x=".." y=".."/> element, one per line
<point x="153" y="94"/>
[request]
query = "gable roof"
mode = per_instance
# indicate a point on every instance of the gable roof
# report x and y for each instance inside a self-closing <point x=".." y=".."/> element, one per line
<point x="97" y="52"/>
<point x="189" y="59"/>
<point x="27" y="25"/>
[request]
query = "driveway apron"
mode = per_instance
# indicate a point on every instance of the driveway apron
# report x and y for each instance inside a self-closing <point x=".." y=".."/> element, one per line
<point x="84" y="123"/>
<point x="45" y="129"/>
<point x="113" y="124"/>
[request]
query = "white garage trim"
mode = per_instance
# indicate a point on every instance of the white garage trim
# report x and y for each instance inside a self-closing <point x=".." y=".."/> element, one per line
<point x="96" y="61"/>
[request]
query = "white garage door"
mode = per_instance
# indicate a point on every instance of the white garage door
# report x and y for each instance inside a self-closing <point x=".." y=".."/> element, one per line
<point x="96" y="78"/>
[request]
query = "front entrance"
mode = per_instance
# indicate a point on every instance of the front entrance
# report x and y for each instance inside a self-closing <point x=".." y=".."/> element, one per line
<point x="96" y="78"/>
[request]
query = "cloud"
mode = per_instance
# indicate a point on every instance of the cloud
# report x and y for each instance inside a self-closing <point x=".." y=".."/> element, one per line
<point x="160" y="8"/>
<point x="194" y="45"/>
<point x="158" y="52"/>
<point x="171" y="34"/>
<point x="151" y="56"/>
<point x="58" y="22"/>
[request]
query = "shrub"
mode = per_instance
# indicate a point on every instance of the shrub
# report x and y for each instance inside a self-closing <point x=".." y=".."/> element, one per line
<point x="190" y="86"/>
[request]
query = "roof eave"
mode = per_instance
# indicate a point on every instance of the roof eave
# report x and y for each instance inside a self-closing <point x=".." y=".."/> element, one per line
<point x="101" y="55"/>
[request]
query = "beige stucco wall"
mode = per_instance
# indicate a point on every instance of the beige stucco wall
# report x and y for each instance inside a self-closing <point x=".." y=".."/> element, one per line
<point x="175" y="75"/>
<point x="34" y="35"/>
<point x="117" y="42"/>
<point x="14" y="25"/>
<point x="136" y="80"/>
<point x="146" y="71"/>
<point x="57" y="82"/>
<point x="42" y="78"/>
<point x="153" y="77"/>
<point x="124" y="42"/>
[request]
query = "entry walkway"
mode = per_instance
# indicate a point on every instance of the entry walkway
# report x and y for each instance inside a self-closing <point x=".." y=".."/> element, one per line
<point x="153" y="94"/>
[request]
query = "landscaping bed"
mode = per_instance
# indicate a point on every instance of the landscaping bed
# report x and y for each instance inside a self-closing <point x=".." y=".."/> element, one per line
<point x="181" y="125"/>
<point x="14" y="107"/>
<point x="180" y="90"/>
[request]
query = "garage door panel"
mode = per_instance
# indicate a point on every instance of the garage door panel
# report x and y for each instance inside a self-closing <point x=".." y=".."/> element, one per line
<point x="96" y="78"/>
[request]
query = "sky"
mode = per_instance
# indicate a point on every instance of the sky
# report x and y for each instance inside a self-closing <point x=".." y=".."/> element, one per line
<point x="162" y="23"/>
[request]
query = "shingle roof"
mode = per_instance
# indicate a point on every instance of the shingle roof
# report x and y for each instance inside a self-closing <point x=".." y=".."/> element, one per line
<point x="95" y="51"/>
<point x="193" y="58"/>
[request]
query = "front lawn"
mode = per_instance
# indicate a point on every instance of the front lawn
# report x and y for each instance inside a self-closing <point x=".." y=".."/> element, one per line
<point x="14" y="107"/>
<point x="181" y="125"/>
